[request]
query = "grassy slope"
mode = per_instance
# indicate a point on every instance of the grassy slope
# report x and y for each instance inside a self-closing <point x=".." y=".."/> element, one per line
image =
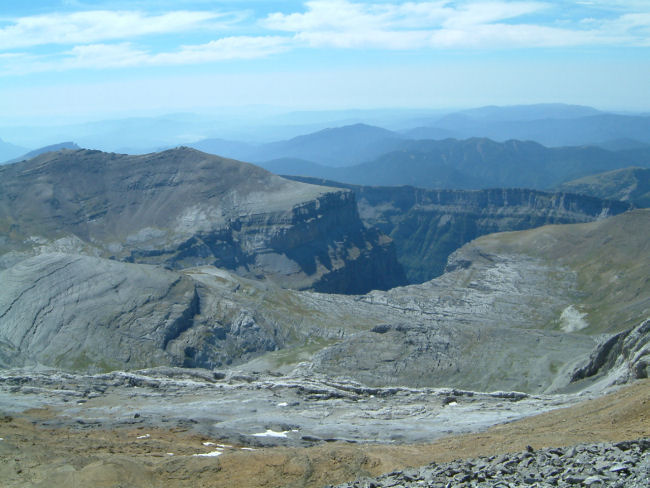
<point x="611" y="258"/>
<point x="629" y="184"/>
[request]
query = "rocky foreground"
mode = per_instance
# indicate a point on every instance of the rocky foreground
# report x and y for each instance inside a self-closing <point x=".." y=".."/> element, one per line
<point x="47" y="443"/>
<point x="623" y="464"/>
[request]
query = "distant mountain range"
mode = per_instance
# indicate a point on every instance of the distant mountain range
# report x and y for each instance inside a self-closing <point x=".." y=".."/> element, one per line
<point x="9" y="151"/>
<point x="336" y="147"/>
<point x="472" y="164"/>
<point x="261" y="134"/>
<point x="366" y="155"/>
<point x="549" y="124"/>
<point x="43" y="150"/>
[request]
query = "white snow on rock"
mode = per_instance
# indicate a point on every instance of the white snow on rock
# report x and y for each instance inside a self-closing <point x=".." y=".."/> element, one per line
<point x="271" y="433"/>
<point x="572" y="320"/>
<point x="209" y="454"/>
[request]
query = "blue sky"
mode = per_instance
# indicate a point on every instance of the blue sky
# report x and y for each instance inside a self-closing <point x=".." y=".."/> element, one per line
<point x="96" y="59"/>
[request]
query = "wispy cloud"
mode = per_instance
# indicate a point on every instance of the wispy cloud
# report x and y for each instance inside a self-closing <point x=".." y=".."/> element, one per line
<point x="104" y="39"/>
<point x="446" y="24"/>
<point x="100" y="25"/>
<point x="126" y="55"/>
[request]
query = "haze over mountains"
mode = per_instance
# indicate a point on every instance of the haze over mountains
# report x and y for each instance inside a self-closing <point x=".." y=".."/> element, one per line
<point x="473" y="164"/>
<point x="260" y="134"/>
<point x="362" y="154"/>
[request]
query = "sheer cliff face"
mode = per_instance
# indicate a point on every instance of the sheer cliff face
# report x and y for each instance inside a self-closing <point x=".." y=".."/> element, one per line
<point x="183" y="208"/>
<point x="428" y="225"/>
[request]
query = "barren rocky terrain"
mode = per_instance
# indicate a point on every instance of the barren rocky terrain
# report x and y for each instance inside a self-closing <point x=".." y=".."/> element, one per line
<point x="176" y="325"/>
<point x="38" y="450"/>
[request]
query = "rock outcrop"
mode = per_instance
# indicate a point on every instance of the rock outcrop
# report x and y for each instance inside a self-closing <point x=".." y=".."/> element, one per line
<point x="183" y="208"/>
<point x="84" y="313"/>
<point x="620" y="358"/>
<point x="515" y="311"/>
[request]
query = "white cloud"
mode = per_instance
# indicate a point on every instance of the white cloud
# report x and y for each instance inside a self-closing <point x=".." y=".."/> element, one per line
<point x="103" y="39"/>
<point x="125" y="55"/>
<point x="104" y="56"/>
<point x="446" y="24"/>
<point x="98" y="25"/>
<point x="236" y="47"/>
<point x="504" y="35"/>
<point x="341" y="23"/>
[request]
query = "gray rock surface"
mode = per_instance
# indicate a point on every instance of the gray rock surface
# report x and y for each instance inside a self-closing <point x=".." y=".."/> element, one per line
<point x="618" y="465"/>
<point x="183" y="208"/>
<point x="85" y="313"/>
<point x="240" y="407"/>
<point x="618" y="359"/>
<point x="504" y="316"/>
<point x="492" y="325"/>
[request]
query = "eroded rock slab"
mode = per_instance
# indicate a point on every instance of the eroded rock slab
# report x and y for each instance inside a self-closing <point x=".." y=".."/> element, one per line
<point x="85" y="313"/>
<point x="261" y="410"/>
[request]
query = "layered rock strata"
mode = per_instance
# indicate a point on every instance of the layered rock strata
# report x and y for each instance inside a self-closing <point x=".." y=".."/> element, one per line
<point x="428" y="225"/>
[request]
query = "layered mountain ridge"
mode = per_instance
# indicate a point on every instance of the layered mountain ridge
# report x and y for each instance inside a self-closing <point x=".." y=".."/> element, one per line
<point x="184" y="208"/>
<point x="475" y="163"/>
<point x="86" y="235"/>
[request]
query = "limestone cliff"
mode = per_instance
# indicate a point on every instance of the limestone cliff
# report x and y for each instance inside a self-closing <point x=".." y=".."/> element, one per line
<point x="428" y="225"/>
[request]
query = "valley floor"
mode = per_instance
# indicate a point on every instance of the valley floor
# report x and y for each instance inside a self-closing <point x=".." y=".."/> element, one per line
<point x="34" y="455"/>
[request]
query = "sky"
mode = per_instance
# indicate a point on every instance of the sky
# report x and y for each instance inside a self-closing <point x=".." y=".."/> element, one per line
<point x="94" y="59"/>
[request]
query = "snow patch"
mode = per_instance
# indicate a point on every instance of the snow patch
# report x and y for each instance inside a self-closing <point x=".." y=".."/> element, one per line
<point x="146" y="436"/>
<point x="209" y="454"/>
<point x="283" y="404"/>
<point x="271" y="433"/>
<point x="572" y="320"/>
